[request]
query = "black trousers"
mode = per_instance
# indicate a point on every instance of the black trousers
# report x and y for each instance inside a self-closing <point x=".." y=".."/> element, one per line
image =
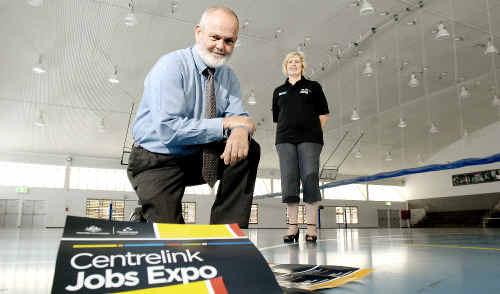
<point x="160" y="180"/>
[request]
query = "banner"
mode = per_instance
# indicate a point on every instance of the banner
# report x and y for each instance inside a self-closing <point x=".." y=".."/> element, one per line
<point x="98" y="256"/>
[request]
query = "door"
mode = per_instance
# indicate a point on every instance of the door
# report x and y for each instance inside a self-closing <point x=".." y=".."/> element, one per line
<point x="382" y="218"/>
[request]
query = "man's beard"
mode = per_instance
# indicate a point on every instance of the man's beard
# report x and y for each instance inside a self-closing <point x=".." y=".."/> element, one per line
<point x="210" y="59"/>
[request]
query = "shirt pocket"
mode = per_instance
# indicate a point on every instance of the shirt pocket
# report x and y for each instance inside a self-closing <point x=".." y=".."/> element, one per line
<point x="222" y="96"/>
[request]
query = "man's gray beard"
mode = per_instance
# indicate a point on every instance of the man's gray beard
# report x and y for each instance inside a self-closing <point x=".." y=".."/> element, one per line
<point x="209" y="59"/>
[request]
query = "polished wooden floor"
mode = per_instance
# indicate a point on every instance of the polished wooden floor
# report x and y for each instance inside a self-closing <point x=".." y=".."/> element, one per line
<point x="403" y="260"/>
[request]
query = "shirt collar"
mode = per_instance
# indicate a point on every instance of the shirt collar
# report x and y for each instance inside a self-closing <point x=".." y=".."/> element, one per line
<point x="200" y="65"/>
<point x="287" y="83"/>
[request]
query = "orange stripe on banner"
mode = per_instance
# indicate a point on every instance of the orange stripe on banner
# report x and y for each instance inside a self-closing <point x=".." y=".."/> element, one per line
<point x="218" y="286"/>
<point x="236" y="229"/>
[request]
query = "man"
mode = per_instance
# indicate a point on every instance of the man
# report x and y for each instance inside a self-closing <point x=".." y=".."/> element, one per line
<point x="181" y="138"/>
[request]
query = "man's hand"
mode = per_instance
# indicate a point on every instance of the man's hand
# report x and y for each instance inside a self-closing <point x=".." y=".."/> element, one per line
<point x="237" y="146"/>
<point x="231" y="122"/>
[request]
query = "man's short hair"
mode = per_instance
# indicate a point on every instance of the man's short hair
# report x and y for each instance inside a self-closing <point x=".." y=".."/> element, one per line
<point x="290" y="55"/>
<point x="215" y="8"/>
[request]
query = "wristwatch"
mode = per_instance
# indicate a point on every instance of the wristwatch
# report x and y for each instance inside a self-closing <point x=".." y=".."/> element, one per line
<point x="227" y="132"/>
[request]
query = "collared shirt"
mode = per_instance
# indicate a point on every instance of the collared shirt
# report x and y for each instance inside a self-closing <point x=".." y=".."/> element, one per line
<point x="171" y="115"/>
<point x="296" y="110"/>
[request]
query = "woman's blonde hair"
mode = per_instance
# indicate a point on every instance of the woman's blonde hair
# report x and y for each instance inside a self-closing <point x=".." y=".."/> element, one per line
<point x="290" y="55"/>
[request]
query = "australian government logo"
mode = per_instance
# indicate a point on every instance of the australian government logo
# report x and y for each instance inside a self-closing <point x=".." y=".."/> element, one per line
<point x="127" y="231"/>
<point x="93" y="230"/>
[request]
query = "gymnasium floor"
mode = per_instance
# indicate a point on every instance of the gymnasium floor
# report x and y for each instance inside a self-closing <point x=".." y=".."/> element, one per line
<point x="404" y="261"/>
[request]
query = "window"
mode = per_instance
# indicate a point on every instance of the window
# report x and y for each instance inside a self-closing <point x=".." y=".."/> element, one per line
<point x="262" y="186"/>
<point x="348" y="213"/>
<point x="301" y="218"/>
<point x="254" y="214"/>
<point x="386" y="193"/>
<point x="87" y="178"/>
<point x="31" y="175"/>
<point x="189" y="212"/>
<point x="346" y="192"/>
<point x="99" y="208"/>
<point x="200" y="189"/>
<point x="276" y="186"/>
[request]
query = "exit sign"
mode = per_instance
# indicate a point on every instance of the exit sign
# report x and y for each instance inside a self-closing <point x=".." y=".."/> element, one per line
<point x="22" y="190"/>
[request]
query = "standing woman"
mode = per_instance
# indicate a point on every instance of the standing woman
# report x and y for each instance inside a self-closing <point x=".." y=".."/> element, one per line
<point x="301" y="111"/>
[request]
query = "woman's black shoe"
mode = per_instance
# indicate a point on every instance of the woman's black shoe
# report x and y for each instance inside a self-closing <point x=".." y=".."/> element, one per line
<point x="291" y="238"/>
<point x="311" y="238"/>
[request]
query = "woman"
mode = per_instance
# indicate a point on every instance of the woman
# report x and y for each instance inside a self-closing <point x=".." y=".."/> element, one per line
<point x="301" y="111"/>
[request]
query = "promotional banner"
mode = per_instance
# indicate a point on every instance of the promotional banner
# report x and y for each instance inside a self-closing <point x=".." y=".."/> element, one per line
<point x="97" y="256"/>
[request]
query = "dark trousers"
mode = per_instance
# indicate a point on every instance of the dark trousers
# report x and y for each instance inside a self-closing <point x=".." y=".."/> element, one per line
<point x="160" y="179"/>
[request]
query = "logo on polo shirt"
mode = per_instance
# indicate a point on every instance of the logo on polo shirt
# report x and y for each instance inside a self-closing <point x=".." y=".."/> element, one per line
<point x="305" y="91"/>
<point x="281" y="93"/>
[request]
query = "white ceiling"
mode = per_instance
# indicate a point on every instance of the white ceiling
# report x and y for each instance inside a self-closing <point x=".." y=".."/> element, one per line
<point x="81" y="42"/>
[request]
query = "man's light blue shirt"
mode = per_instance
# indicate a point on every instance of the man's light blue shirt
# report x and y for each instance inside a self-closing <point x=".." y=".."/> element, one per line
<point x="171" y="115"/>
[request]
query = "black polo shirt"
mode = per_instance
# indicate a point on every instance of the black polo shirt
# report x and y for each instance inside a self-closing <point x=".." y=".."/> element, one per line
<point x="296" y="110"/>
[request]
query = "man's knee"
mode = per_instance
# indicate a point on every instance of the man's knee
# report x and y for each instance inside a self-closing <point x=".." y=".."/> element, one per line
<point x="254" y="149"/>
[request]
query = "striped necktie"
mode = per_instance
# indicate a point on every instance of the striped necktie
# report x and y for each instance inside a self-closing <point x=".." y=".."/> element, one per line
<point x="209" y="169"/>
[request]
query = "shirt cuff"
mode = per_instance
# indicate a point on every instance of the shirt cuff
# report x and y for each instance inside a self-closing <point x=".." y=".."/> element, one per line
<point x="215" y="128"/>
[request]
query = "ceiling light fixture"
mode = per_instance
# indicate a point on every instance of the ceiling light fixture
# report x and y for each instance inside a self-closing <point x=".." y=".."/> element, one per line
<point x="278" y="32"/>
<point x="433" y="129"/>
<point x="490" y="48"/>
<point x="245" y="24"/>
<point x="442" y="33"/>
<point x="40" y="120"/>
<point x="388" y="156"/>
<point x="358" y="154"/>
<point x="130" y="19"/>
<point x="413" y="83"/>
<point x="113" y="79"/>
<point x="101" y="126"/>
<point x="355" y="114"/>
<point x="35" y="3"/>
<point x="402" y="123"/>
<point x="420" y="160"/>
<point x="464" y="93"/>
<point x="173" y="7"/>
<point x="251" y="98"/>
<point x="368" y="70"/>
<point x="366" y="8"/>
<point x="495" y="101"/>
<point x="38" y="67"/>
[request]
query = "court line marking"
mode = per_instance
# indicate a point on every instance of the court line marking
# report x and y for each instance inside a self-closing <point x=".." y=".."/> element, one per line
<point x="401" y="239"/>
<point x="455" y="247"/>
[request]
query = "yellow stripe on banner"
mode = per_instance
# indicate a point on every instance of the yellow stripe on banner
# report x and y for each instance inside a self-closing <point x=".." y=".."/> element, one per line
<point x="97" y="245"/>
<point x="174" y="231"/>
<point x="189" y="288"/>
<point x="457" y="247"/>
<point x="357" y="275"/>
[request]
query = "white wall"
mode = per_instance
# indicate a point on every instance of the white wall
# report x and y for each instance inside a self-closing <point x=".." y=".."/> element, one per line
<point x="271" y="211"/>
<point x="481" y="143"/>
